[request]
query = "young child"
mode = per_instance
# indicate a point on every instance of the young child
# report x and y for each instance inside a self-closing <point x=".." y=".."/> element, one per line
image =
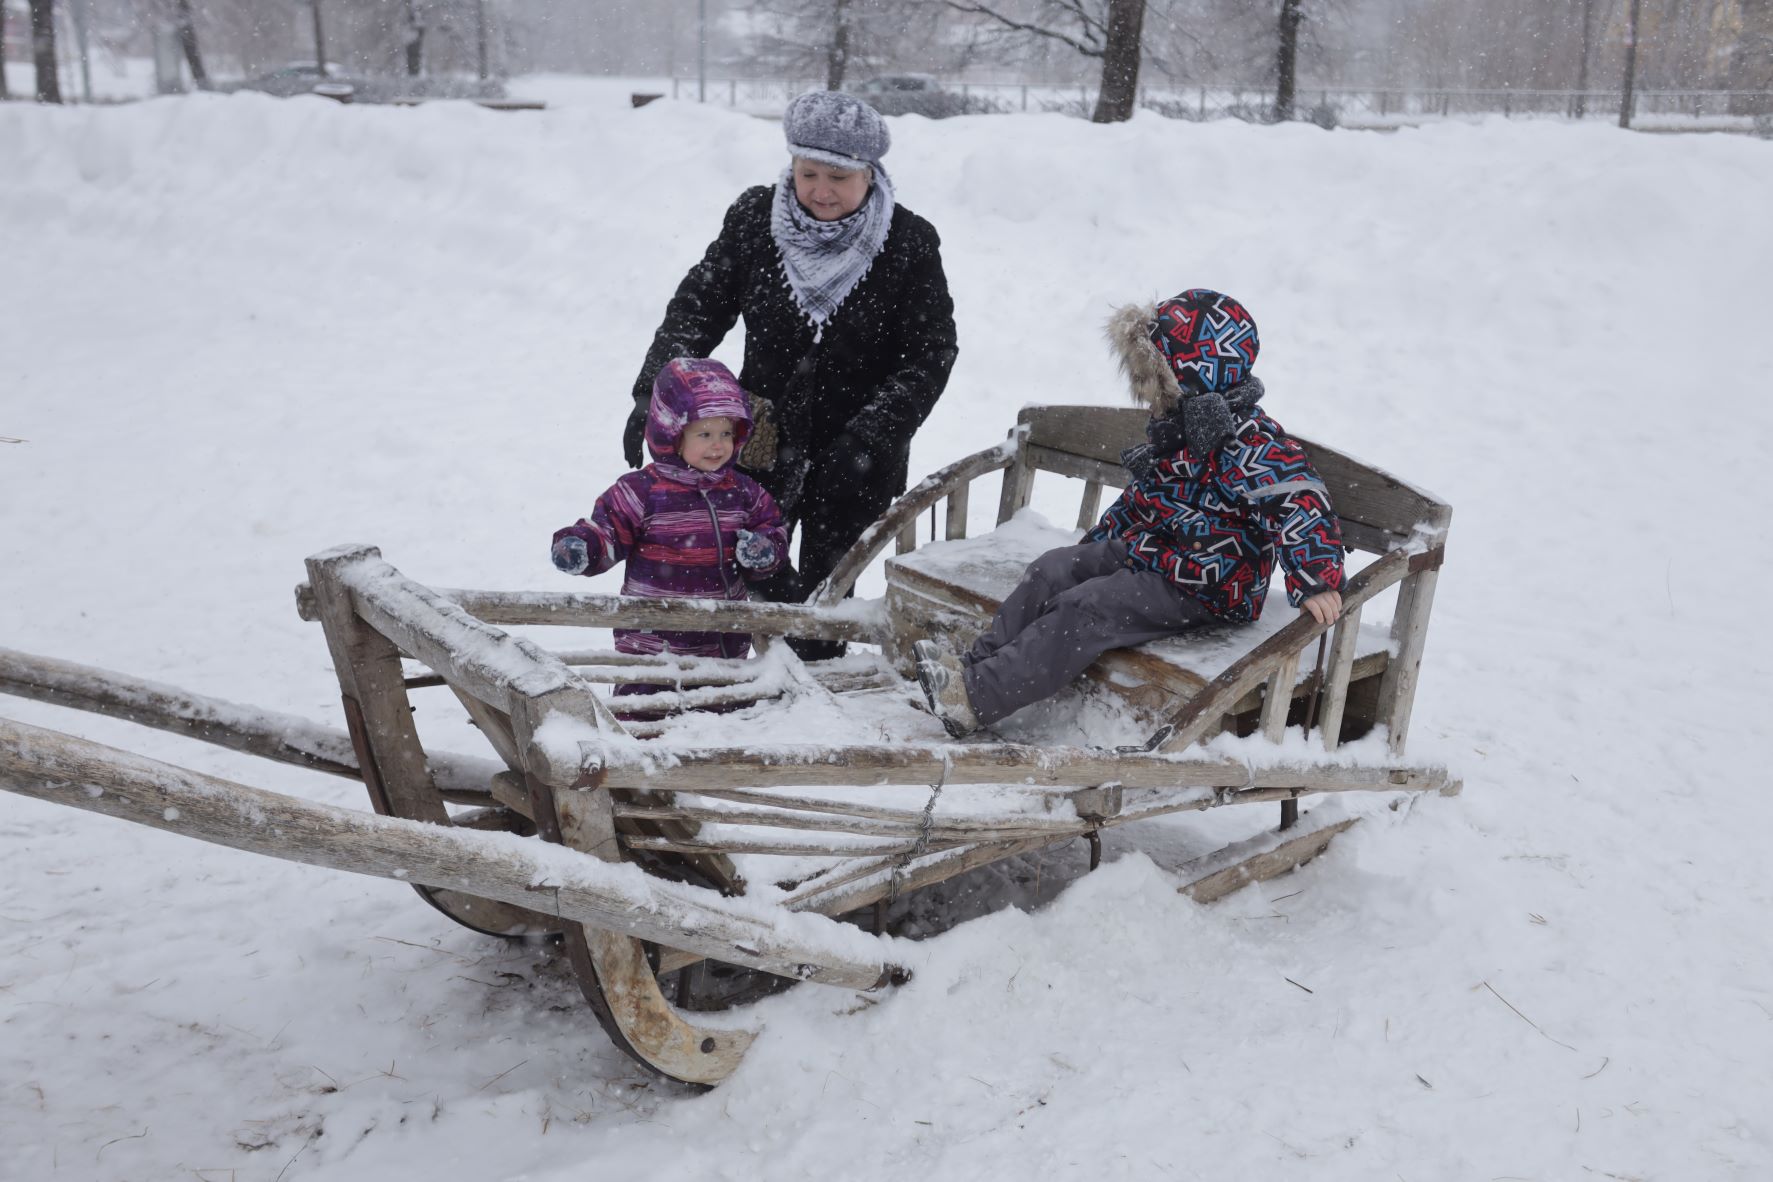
<point x="1215" y="495"/>
<point x="689" y="524"/>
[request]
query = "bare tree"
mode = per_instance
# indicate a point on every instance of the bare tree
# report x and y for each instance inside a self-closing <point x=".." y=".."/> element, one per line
<point x="1121" y="51"/>
<point x="1587" y="52"/>
<point x="187" y="27"/>
<point x="1751" y="60"/>
<point x="49" y="88"/>
<point x="837" y="59"/>
<point x="1111" y="30"/>
<point x="809" y="38"/>
<point x="415" y="40"/>
<point x="1286" y="57"/>
<point x="1629" y="97"/>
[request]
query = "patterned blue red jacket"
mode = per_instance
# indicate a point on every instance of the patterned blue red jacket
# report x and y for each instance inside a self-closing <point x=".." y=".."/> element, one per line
<point x="1214" y="526"/>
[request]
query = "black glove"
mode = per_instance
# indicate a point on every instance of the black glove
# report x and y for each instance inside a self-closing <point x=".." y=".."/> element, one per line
<point x="847" y="459"/>
<point x="634" y="436"/>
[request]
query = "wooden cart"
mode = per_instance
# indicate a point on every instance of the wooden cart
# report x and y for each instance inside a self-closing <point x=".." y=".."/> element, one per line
<point x="644" y="827"/>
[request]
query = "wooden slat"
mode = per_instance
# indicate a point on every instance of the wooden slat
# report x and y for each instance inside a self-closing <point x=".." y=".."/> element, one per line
<point x="1048" y="459"/>
<point x="590" y="610"/>
<point x="913" y="502"/>
<point x="906" y="541"/>
<point x="1372" y="497"/>
<point x="369" y="673"/>
<point x="956" y="524"/>
<point x="286" y="738"/>
<point x="387" y="743"/>
<point x="948" y="827"/>
<point x="1018" y="487"/>
<point x="1205" y="709"/>
<point x="495" y="726"/>
<point x="781" y="846"/>
<point x="472" y="655"/>
<point x="1092" y="432"/>
<point x="781" y="765"/>
<point x="1341" y="672"/>
<point x="1279" y="697"/>
<point x="1409" y="630"/>
<point x="62" y="769"/>
<point x="1090" y="508"/>
<point x="841" y="808"/>
<point x="1383" y="509"/>
<point x="847" y="887"/>
<point x="1274" y="857"/>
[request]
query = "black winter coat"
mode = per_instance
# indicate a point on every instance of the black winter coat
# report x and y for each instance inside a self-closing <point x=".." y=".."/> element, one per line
<point x="874" y="374"/>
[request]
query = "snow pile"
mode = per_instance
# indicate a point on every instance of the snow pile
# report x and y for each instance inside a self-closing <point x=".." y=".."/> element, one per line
<point x="238" y="331"/>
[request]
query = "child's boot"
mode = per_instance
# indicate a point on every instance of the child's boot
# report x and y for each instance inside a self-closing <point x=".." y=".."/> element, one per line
<point x="939" y="673"/>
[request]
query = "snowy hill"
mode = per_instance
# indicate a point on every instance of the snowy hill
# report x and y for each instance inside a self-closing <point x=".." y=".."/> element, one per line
<point x="235" y="331"/>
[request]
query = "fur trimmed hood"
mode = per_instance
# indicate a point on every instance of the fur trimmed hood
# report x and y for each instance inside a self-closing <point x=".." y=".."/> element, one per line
<point x="1149" y="378"/>
<point x="1199" y="342"/>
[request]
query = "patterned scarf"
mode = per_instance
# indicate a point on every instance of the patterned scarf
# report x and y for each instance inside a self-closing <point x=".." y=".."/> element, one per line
<point x="823" y="261"/>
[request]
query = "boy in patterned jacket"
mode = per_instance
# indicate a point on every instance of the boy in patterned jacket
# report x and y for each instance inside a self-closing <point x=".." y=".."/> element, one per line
<point x="1216" y="495"/>
<point x="690" y="525"/>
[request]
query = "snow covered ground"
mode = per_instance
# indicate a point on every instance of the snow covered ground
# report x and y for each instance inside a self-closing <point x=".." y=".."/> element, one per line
<point x="236" y="331"/>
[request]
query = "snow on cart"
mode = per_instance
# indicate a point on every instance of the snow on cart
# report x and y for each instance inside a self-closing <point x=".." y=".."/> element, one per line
<point x="761" y="803"/>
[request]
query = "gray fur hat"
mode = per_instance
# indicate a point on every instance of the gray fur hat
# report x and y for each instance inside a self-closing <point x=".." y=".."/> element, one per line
<point x="835" y="128"/>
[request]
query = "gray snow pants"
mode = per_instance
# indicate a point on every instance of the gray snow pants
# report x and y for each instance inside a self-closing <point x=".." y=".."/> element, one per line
<point x="1072" y="605"/>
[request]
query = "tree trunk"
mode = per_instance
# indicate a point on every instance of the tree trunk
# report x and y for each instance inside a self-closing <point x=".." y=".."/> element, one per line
<point x="1286" y="58"/>
<point x="188" y="41"/>
<point x="1587" y="51"/>
<point x="49" y="89"/>
<point x="319" y="40"/>
<point x="1629" y="99"/>
<point x="415" y="41"/>
<point x="1119" y="92"/>
<point x="480" y="37"/>
<point x="1751" y="65"/>
<point x="837" y="60"/>
<point x="5" y="91"/>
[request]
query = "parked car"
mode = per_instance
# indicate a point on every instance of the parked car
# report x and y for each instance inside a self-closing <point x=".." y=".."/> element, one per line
<point x="920" y="94"/>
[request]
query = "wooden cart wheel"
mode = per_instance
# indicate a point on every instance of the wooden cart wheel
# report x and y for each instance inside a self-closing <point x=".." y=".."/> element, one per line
<point x="616" y="973"/>
<point x="617" y="978"/>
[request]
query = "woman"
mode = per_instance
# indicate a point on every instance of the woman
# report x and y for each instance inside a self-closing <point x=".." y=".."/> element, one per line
<point x="849" y="332"/>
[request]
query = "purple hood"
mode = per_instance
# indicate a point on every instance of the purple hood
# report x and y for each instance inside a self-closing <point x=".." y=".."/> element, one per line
<point x="688" y="389"/>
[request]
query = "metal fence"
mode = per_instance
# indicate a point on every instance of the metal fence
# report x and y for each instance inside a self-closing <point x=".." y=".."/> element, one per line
<point x="1326" y="105"/>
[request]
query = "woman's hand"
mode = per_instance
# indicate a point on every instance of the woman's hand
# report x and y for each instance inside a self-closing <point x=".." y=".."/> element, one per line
<point x="634" y="437"/>
<point x="1323" y="607"/>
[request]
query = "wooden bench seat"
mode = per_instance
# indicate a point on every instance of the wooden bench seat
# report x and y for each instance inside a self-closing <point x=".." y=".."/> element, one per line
<point x="951" y="590"/>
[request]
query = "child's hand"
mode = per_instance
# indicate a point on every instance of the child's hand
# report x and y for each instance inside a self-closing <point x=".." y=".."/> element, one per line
<point x="754" y="553"/>
<point x="571" y="555"/>
<point x="1323" y="607"/>
<point x="1140" y="460"/>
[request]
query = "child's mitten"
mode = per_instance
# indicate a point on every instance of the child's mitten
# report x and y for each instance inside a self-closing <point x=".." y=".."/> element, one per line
<point x="571" y="555"/>
<point x="1139" y="460"/>
<point x="754" y="553"/>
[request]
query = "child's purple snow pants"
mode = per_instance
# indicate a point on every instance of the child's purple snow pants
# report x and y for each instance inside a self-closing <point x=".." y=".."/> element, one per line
<point x="1072" y="605"/>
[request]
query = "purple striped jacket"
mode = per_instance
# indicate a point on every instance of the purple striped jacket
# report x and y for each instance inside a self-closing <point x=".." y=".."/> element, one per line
<point x="677" y="527"/>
